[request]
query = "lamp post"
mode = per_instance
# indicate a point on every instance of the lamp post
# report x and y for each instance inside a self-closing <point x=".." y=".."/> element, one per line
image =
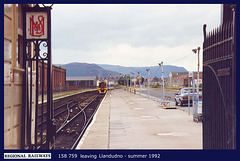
<point x="134" y="82"/>
<point x="130" y="82"/>
<point x="139" y="83"/>
<point x="148" y="70"/>
<point x="127" y="81"/>
<point x="124" y="80"/>
<point x="197" y="51"/>
<point x="161" y="64"/>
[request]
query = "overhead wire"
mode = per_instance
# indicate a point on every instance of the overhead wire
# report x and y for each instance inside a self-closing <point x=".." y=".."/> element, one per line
<point x="179" y="59"/>
<point x="174" y="61"/>
<point x="146" y="75"/>
<point x="156" y="71"/>
<point x="170" y="62"/>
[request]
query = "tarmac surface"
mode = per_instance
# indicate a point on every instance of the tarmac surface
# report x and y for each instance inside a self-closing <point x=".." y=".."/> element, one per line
<point x="157" y="96"/>
<point x="129" y="121"/>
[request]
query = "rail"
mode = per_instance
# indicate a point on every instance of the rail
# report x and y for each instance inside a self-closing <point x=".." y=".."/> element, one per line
<point x="72" y="129"/>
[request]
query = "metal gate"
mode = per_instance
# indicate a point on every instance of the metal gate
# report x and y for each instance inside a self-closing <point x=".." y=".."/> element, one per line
<point x="37" y="120"/>
<point x="219" y="87"/>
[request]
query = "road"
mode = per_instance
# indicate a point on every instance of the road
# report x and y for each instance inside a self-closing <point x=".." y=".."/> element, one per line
<point x="157" y="95"/>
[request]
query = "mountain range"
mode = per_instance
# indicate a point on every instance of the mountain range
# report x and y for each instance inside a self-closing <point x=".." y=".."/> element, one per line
<point x="103" y="70"/>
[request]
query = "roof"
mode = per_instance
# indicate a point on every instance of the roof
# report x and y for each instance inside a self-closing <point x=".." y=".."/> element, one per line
<point x="81" y="78"/>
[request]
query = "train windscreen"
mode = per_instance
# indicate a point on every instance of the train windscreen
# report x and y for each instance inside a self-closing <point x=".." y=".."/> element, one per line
<point x="102" y="84"/>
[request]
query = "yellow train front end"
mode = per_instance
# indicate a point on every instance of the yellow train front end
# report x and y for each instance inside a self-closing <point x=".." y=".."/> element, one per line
<point x="102" y="87"/>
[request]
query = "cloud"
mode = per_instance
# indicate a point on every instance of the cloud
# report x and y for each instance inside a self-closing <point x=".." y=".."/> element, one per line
<point x="142" y="33"/>
<point x="127" y="55"/>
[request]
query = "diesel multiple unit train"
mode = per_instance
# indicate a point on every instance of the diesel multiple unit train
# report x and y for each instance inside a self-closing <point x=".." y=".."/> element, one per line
<point x="102" y="87"/>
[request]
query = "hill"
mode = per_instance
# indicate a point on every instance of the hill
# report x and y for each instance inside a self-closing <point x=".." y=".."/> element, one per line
<point x="85" y="69"/>
<point x="154" y="70"/>
<point x="102" y="70"/>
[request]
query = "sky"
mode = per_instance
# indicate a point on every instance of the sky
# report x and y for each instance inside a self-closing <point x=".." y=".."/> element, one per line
<point x="131" y="35"/>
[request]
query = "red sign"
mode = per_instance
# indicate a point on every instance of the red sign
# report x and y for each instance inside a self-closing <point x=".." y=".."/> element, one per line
<point x="36" y="25"/>
<point x="37" y="28"/>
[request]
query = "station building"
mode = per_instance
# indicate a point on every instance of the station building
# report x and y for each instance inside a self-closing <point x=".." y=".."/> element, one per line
<point x="81" y="82"/>
<point x="179" y="79"/>
<point x="13" y="75"/>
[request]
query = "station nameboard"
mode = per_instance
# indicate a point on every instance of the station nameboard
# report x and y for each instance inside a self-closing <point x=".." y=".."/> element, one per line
<point x="36" y="25"/>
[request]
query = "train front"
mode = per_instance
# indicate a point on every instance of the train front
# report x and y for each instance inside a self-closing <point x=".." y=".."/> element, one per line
<point x="102" y="87"/>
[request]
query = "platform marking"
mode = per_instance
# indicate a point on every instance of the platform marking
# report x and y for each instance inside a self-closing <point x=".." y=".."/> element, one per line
<point x="137" y="108"/>
<point x="145" y="116"/>
<point x="174" y="134"/>
<point x="164" y="134"/>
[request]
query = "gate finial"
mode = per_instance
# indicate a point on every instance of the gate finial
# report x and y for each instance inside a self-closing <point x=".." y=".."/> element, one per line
<point x="204" y="31"/>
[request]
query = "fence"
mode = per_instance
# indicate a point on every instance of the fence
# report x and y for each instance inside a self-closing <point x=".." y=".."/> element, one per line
<point x="219" y="83"/>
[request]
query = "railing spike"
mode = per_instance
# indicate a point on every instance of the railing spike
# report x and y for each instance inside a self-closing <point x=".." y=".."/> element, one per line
<point x="204" y="31"/>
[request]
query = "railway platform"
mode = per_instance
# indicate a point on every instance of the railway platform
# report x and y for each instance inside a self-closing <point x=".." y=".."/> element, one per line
<point x="127" y="121"/>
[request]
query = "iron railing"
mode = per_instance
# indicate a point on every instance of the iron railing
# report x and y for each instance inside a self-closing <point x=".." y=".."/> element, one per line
<point x="219" y="87"/>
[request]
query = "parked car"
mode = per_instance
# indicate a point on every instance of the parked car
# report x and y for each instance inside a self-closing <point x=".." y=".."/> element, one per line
<point x="182" y="96"/>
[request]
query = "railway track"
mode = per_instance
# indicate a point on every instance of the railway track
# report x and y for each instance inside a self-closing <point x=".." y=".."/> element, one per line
<point x="71" y="116"/>
<point x="71" y="131"/>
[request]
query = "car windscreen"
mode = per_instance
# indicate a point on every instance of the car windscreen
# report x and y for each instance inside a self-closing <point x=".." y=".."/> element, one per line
<point x="191" y="91"/>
